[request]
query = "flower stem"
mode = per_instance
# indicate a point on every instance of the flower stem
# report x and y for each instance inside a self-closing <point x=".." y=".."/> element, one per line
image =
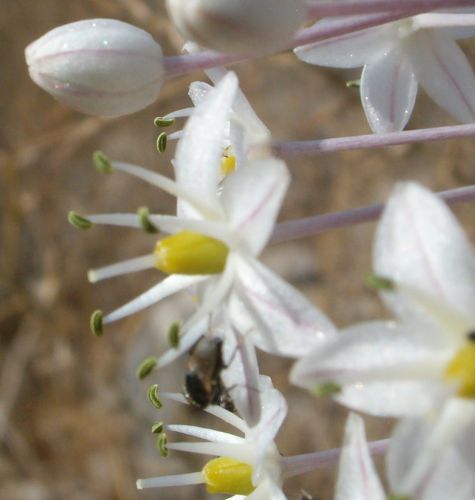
<point x="180" y="65"/>
<point x="322" y="146"/>
<point x="299" y="464"/>
<point x="318" y="8"/>
<point x="310" y="226"/>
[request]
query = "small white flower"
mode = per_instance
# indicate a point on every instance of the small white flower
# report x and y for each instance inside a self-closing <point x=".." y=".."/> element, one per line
<point x="238" y="25"/>
<point x="98" y="66"/>
<point x="425" y="363"/>
<point x="395" y="58"/>
<point x="220" y="229"/>
<point x="448" y="477"/>
<point x="245" y="466"/>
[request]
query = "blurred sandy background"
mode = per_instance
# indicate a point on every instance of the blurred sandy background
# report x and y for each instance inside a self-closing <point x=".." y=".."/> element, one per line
<point x="74" y="421"/>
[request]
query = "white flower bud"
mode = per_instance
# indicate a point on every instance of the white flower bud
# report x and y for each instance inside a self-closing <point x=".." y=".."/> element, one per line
<point x="238" y="25"/>
<point x="98" y="66"/>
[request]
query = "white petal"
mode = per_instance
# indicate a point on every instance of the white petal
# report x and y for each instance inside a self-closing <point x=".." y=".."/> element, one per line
<point x="357" y="477"/>
<point x="420" y="243"/>
<point x="457" y="417"/>
<point x="242" y="374"/>
<point x="198" y="154"/>
<point x="187" y="339"/>
<point x="381" y="370"/>
<point x="388" y="91"/>
<point x="198" y="91"/>
<point x="450" y="478"/>
<point x="445" y="73"/>
<point x="252" y="197"/>
<point x="273" y="413"/>
<point x="207" y="434"/>
<point x="293" y="322"/>
<point x="347" y="51"/>
<point x="165" y="288"/>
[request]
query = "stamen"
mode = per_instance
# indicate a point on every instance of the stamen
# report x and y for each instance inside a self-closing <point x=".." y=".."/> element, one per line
<point x="353" y="84"/>
<point x="162" y="142"/>
<point x="162" y="444"/>
<point x="174" y="480"/>
<point x="380" y="283"/>
<point x="157" y="428"/>
<point x="174" y="334"/>
<point x="78" y="221"/>
<point x="228" y="476"/>
<point x="163" y="121"/>
<point x="152" y="395"/>
<point x="166" y="185"/>
<point x="146" y="367"/>
<point x="95" y="323"/>
<point x="188" y="252"/>
<point x="327" y="389"/>
<point x="102" y="162"/>
<point x="125" y="267"/>
<point x="144" y="219"/>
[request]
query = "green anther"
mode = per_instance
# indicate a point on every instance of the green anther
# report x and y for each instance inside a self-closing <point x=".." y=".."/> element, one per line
<point x="353" y="84"/>
<point x="157" y="428"/>
<point x="95" y="323"/>
<point x="161" y="121"/>
<point x="174" y="334"/>
<point x="146" y="367"/>
<point x="144" y="219"/>
<point x="377" y="282"/>
<point x="78" y="221"/>
<point x="102" y="162"/>
<point x="162" y="442"/>
<point x="153" y="396"/>
<point x="162" y="140"/>
<point x="327" y="389"/>
<point x="398" y="497"/>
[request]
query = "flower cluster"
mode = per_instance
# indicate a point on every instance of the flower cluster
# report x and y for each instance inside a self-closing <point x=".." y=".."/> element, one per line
<point x="230" y="183"/>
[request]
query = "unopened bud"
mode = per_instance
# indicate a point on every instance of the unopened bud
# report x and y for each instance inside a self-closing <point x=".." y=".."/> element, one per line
<point x="98" y="66"/>
<point x="238" y="25"/>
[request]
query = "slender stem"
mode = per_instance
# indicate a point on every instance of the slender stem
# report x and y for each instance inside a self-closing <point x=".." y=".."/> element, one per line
<point x="299" y="464"/>
<point x="318" y="8"/>
<point x="333" y="145"/>
<point x="310" y="226"/>
<point x="179" y="65"/>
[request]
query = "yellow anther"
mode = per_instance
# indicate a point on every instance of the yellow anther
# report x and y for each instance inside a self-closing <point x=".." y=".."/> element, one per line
<point x="462" y="368"/>
<point x="228" y="164"/>
<point x="228" y="476"/>
<point x="187" y="252"/>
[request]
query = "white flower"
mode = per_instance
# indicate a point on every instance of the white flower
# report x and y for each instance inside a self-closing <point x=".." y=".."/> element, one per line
<point x="216" y="238"/>
<point x="247" y="466"/>
<point x="238" y="25"/>
<point x="98" y="66"/>
<point x="395" y="58"/>
<point x="449" y="476"/>
<point x="425" y="363"/>
<point x="246" y="136"/>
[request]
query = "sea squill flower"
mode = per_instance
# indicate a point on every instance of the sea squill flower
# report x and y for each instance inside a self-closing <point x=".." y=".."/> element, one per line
<point x="423" y="364"/>
<point x="98" y="66"/>
<point x="448" y="477"/>
<point x="398" y="56"/>
<point x="247" y="466"/>
<point x="237" y="25"/>
<point x="220" y="229"/>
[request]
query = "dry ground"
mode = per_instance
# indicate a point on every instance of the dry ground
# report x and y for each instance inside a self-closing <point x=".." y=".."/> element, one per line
<point x="74" y="422"/>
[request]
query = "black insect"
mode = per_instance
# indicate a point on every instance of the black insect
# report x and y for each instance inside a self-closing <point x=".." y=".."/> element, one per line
<point x="203" y="383"/>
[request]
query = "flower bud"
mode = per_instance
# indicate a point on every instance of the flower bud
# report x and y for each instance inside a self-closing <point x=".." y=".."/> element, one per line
<point x="98" y="66"/>
<point x="238" y="25"/>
